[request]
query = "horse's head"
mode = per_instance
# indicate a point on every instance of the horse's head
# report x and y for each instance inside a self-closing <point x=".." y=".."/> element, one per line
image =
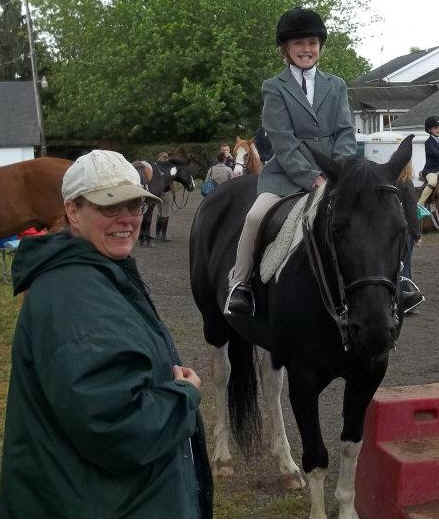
<point x="183" y="175"/>
<point x="246" y="157"/>
<point x="181" y="171"/>
<point x="364" y="230"/>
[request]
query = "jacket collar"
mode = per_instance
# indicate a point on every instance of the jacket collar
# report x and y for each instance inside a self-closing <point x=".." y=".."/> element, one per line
<point x="321" y="89"/>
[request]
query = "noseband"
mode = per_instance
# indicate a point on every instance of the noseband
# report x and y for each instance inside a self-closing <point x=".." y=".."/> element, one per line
<point x="340" y="311"/>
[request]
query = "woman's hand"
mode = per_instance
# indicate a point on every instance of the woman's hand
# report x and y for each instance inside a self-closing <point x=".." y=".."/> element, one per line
<point x="186" y="374"/>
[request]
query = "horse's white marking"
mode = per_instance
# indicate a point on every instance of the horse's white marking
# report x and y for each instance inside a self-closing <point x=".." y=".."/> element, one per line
<point x="316" y="480"/>
<point x="173" y="171"/>
<point x="221" y="375"/>
<point x="271" y="382"/>
<point x="239" y="161"/>
<point x="345" y="491"/>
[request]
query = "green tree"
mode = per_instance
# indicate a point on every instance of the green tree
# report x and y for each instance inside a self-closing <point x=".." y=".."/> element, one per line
<point x="166" y="69"/>
<point x="14" y="47"/>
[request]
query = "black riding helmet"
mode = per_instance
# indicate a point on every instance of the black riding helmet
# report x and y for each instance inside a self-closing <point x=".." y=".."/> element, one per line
<point x="430" y="122"/>
<point x="300" y="23"/>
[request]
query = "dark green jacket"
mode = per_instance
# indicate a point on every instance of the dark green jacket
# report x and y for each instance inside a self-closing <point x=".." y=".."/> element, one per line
<point x="96" y="427"/>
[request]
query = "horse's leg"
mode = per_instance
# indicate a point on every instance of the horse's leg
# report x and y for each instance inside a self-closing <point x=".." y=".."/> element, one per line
<point x="305" y="389"/>
<point x="145" y="228"/>
<point x="272" y="381"/>
<point x="222" y="465"/>
<point x="359" y="391"/>
<point x="345" y="492"/>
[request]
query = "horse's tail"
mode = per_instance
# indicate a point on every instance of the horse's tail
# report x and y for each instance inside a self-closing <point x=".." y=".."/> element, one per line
<point x="245" y="415"/>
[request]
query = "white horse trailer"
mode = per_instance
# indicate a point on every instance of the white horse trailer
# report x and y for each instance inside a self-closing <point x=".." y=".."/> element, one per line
<point x="379" y="147"/>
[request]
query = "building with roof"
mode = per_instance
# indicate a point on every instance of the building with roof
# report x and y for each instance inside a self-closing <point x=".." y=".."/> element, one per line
<point x="398" y="95"/>
<point x="19" y="131"/>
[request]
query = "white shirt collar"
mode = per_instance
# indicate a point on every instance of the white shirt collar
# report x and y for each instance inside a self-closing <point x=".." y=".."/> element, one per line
<point x="308" y="73"/>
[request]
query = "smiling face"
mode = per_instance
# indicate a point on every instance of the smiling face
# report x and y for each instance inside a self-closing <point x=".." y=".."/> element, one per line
<point x="304" y="52"/>
<point x="114" y="237"/>
<point x="434" y="131"/>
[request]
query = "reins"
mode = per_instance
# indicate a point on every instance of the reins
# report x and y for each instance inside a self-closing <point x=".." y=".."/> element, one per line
<point x="339" y="311"/>
<point x="184" y="198"/>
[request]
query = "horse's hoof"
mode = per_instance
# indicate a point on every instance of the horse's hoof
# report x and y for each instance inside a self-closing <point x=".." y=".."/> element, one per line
<point x="222" y="469"/>
<point x="291" y="482"/>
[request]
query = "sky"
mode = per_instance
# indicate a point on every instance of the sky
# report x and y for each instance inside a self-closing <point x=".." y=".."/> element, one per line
<point x="405" y="24"/>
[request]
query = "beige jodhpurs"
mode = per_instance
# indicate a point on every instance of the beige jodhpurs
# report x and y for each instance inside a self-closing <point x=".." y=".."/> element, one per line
<point x="246" y="244"/>
<point x="428" y="190"/>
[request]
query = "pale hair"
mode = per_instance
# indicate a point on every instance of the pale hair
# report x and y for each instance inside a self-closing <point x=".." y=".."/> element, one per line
<point x="406" y="173"/>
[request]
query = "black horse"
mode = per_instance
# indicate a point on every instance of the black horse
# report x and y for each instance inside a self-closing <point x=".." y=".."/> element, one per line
<point x="333" y="312"/>
<point x="176" y="169"/>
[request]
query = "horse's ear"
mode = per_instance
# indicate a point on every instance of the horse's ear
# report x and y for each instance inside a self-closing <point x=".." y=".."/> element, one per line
<point x="401" y="157"/>
<point x="329" y="167"/>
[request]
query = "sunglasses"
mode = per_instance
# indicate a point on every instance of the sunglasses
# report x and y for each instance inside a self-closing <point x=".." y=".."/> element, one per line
<point x="135" y="207"/>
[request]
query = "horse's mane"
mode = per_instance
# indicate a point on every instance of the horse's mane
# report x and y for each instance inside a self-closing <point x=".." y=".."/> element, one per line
<point x="356" y="181"/>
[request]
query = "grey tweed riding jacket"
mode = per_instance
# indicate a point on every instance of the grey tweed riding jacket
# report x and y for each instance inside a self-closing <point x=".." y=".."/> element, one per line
<point x="291" y="121"/>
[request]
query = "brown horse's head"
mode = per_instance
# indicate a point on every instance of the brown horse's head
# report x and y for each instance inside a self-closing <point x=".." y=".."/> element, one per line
<point x="246" y="157"/>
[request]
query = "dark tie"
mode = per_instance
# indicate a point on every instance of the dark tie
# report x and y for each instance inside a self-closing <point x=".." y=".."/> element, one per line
<point x="304" y="84"/>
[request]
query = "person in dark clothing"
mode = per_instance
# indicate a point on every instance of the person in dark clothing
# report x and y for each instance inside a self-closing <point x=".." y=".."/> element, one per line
<point x="102" y="419"/>
<point x="407" y="194"/>
<point x="263" y="144"/>
<point x="431" y="169"/>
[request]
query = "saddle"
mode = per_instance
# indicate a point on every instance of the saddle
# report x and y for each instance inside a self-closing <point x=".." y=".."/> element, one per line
<point x="281" y="231"/>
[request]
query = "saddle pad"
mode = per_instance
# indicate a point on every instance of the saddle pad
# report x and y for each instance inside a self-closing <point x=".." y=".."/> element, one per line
<point x="290" y="235"/>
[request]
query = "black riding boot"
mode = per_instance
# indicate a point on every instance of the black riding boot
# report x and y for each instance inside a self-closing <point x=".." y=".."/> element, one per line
<point x="158" y="228"/>
<point x="165" y="221"/>
<point x="240" y="300"/>
<point x="410" y="300"/>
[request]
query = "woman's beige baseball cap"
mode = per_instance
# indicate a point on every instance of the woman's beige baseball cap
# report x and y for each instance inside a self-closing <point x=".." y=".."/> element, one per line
<point x="104" y="178"/>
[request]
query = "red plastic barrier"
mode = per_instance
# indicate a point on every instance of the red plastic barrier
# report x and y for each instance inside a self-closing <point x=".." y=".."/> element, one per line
<point x="398" y="467"/>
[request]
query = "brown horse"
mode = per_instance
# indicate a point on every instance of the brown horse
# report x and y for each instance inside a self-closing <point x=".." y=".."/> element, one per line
<point x="31" y="195"/>
<point x="247" y="158"/>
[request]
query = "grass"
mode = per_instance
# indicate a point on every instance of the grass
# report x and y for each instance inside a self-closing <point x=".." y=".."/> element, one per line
<point x="9" y="308"/>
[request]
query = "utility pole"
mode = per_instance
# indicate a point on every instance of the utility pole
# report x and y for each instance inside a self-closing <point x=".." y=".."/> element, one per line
<point x="33" y="61"/>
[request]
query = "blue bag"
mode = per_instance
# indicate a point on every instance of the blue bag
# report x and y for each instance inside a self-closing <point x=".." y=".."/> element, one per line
<point x="209" y="185"/>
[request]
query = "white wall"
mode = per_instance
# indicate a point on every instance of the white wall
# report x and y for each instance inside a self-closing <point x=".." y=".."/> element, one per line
<point x="13" y="155"/>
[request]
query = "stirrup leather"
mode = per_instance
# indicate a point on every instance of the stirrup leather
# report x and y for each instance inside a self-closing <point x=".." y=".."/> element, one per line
<point x="243" y="287"/>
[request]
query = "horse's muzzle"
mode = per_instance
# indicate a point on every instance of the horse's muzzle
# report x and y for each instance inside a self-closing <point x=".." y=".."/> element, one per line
<point x="373" y="335"/>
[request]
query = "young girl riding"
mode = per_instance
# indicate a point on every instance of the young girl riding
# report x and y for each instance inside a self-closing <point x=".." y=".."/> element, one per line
<point x="303" y="107"/>
<point x="431" y="168"/>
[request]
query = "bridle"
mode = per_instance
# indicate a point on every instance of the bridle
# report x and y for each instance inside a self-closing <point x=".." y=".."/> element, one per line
<point x="247" y="153"/>
<point x="184" y="199"/>
<point x="185" y="195"/>
<point x="339" y="309"/>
